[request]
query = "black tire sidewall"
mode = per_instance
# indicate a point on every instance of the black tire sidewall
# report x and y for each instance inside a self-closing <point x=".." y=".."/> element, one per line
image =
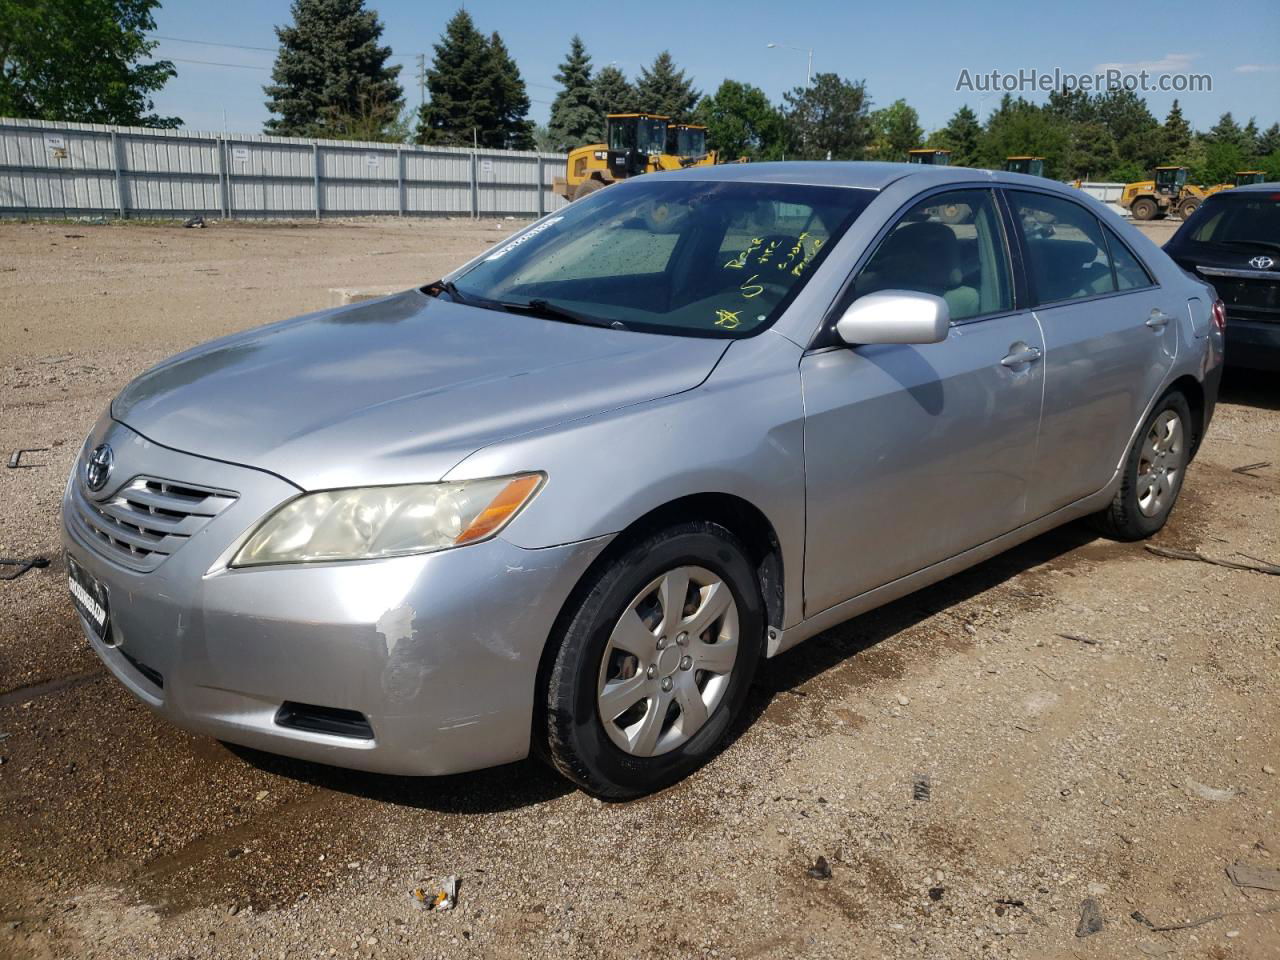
<point x="1132" y="522"/>
<point x="580" y="746"/>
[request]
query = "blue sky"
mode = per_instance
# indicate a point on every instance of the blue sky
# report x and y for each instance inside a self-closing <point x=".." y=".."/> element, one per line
<point x="912" y="50"/>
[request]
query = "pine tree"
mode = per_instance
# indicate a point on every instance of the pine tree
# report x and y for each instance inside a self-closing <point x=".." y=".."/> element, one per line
<point x="575" y="115"/>
<point x="1249" y="138"/>
<point x="614" y="92"/>
<point x="510" y="101"/>
<point x="1269" y="142"/>
<point x="1177" y="132"/>
<point x="460" y="109"/>
<point x="896" y="130"/>
<point x="331" y="69"/>
<point x="828" y="119"/>
<point x="664" y="90"/>
<point x="1226" y="131"/>
<point x="962" y="136"/>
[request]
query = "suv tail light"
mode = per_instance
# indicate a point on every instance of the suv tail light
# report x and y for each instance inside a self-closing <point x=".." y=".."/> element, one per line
<point x="1219" y="316"/>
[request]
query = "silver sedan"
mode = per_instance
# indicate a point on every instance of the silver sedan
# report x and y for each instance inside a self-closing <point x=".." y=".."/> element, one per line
<point x="571" y="497"/>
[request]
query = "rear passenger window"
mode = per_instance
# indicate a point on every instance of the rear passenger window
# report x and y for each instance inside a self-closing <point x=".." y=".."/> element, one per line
<point x="949" y="245"/>
<point x="1066" y="252"/>
<point x="1130" y="273"/>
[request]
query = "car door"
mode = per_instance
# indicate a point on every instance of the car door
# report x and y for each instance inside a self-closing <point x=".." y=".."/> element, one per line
<point x="1110" y="338"/>
<point x="914" y="453"/>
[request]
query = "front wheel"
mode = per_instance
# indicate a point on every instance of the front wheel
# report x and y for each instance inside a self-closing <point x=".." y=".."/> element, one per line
<point x="1188" y="207"/>
<point x="654" y="662"/>
<point x="1153" y="473"/>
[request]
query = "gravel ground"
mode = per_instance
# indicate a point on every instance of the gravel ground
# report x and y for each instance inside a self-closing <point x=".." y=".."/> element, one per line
<point x="1130" y="767"/>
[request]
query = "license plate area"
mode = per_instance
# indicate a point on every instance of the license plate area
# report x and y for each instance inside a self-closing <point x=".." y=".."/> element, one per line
<point x="89" y="596"/>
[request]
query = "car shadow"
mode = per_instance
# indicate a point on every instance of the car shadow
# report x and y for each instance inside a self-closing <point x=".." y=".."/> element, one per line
<point x="496" y="790"/>
<point x="1252" y="388"/>
<point x="820" y="653"/>
<point x="531" y="782"/>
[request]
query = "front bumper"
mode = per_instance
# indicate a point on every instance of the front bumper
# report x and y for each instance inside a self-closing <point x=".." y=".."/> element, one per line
<point x="438" y="652"/>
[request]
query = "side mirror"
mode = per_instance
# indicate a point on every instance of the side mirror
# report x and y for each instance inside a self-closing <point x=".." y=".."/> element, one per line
<point x="895" y="316"/>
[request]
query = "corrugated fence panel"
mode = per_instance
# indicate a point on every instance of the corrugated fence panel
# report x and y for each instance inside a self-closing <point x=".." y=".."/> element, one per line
<point x="70" y="169"/>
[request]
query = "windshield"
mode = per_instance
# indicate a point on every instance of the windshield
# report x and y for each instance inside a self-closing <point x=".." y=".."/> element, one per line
<point x="1231" y="217"/>
<point x="691" y="143"/>
<point x="688" y="257"/>
<point x="651" y="136"/>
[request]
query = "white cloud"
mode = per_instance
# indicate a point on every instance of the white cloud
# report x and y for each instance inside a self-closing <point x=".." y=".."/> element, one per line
<point x="1169" y="63"/>
<point x="1258" y="68"/>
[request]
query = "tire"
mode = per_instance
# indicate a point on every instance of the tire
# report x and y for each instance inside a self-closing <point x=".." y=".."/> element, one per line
<point x="1144" y="208"/>
<point x="646" y="746"/>
<point x="1145" y="500"/>
<point x="586" y="188"/>
<point x="1187" y="208"/>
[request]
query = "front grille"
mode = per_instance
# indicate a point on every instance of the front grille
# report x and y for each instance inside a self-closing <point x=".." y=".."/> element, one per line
<point x="147" y="519"/>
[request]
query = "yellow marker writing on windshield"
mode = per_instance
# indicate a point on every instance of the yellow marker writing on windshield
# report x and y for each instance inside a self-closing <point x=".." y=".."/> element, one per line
<point x="740" y="261"/>
<point x="728" y="319"/>
<point x="751" y="288"/>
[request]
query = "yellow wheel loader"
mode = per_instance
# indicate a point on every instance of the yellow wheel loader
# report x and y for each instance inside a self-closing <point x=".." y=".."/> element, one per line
<point x="929" y="156"/>
<point x="635" y="144"/>
<point x="1169" y="193"/>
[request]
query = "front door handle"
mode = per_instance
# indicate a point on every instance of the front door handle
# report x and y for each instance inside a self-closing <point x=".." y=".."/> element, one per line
<point x="1158" y="319"/>
<point x="1020" y="354"/>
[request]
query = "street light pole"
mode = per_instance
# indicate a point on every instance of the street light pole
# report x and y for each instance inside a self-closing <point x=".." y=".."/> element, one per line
<point x="808" y="73"/>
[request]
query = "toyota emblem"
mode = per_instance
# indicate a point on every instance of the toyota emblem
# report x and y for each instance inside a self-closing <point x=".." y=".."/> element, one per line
<point x="1262" y="263"/>
<point x="98" y="467"/>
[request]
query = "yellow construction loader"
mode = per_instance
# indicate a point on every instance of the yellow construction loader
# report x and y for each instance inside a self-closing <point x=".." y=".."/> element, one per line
<point x="1032" y="166"/>
<point x="635" y="143"/>
<point x="929" y="156"/>
<point x="1169" y="193"/>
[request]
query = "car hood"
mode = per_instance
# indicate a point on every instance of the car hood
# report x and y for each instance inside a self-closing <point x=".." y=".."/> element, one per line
<point x="397" y="390"/>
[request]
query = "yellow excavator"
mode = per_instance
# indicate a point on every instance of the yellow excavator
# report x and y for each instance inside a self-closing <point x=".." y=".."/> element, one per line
<point x="635" y="144"/>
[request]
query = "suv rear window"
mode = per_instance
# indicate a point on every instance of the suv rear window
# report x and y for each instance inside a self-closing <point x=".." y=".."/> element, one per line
<point x="1247" y="217"/>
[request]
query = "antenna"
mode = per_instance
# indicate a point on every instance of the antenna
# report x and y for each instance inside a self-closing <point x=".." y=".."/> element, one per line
<point x="422" y="79"/>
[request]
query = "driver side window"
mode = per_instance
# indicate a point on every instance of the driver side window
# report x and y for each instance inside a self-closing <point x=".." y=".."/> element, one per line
<point x="949" y="245"/>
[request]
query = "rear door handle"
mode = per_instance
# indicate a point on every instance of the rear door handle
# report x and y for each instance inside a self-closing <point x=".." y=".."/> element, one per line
<point x="1021" y="355"/>
<point x="1158" y="319"/>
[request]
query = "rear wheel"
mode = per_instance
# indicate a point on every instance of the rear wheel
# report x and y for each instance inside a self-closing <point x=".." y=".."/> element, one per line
<point x="1144" y="208"/>
<point x="1153" y="473"/>
<point x="654" y="662"/>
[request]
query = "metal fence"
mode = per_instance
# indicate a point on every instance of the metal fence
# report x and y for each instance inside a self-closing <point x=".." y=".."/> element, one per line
<point x="86" y="169"/>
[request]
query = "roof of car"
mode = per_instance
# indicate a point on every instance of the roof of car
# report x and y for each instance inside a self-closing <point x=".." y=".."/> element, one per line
<point x="852" y="173"/>
<point x="1271" y="187"/>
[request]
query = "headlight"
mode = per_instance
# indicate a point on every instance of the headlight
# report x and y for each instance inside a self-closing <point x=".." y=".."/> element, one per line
<point x="365" y="523"/>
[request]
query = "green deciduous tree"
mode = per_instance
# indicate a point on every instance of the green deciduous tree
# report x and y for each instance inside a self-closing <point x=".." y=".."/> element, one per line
<point x="575" y="115"/>
<point x="895" y="130"/>
<point x="962" y="136"/>
<point x="828" y="118"/>
<point x="78" y="60"/>
<point x="741" y="122"/>
<point x="665" y="90"/>
<point x="460" y="82"/>
<point x="1018" y="127"/>
<point x="331" y="74"/>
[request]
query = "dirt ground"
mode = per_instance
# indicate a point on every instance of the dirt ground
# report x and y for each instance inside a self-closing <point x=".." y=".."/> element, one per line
<point x="1093" y="721"/>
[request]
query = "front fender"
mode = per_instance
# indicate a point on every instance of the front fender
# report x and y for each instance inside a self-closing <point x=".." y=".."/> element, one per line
<point x="741" y="433"/>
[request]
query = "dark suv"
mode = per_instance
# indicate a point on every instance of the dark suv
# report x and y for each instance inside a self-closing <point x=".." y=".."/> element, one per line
<point x="1233" y="243"/>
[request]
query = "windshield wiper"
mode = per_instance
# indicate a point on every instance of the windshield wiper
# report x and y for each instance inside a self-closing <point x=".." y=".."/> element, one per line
<point x="450" y="288"/>
<point x="1264" y="244"/>
<point x="538" y="307"/>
